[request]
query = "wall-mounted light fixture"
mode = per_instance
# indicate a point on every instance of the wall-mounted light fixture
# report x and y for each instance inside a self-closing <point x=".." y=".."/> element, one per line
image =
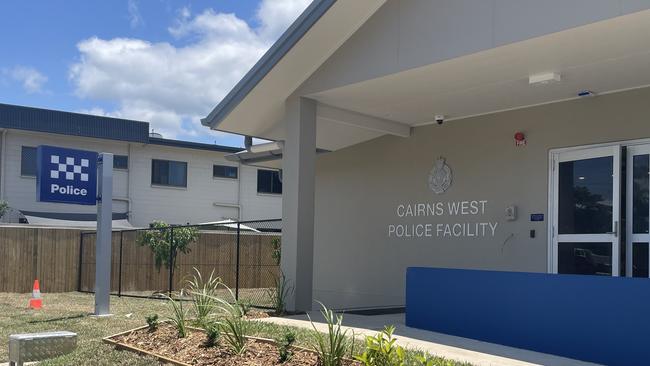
<point x="544" y="78"/>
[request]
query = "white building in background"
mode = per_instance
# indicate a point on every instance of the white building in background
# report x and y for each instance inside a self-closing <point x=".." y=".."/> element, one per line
<point x="154" y="178"/>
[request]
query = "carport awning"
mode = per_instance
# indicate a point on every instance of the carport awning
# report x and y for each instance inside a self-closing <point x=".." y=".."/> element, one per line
<point x="77" y="220"/>
<point x="44" y="221"/>
<point x="230" y="224"/>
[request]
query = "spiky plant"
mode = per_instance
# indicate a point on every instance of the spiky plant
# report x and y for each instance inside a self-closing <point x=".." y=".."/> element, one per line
<point x="232" y="323"/>
<point x="279" y="293"/>
<point x="332" y="347"/>
<point x="179" y="315"/>
<point x="203" y="293"/>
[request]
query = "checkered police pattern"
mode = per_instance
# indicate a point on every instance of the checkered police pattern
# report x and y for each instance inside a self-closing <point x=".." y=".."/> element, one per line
<point x="67" y="168"/>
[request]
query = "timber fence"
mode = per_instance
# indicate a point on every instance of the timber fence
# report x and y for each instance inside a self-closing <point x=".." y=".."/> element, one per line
<point x="245" y="255"/>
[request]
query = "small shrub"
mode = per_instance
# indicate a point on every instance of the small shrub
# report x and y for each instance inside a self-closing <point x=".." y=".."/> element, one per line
<point x="423" y="359"/>
<point x="179" y="315"/>
<point x="284" y="346"/>
<point x="332" y="347"/>
<point x="279" y="293"/>
<point x="212" y="335"/>
<point x="426" y="361"/>
<point x="381" y="350"/>
<point x="152" y="322"/>
<point x="244" y="306"/>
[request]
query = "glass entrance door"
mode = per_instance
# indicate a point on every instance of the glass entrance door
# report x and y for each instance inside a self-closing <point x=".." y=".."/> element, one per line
<point x="586" y="211"/>
<point x="637" y="211"/>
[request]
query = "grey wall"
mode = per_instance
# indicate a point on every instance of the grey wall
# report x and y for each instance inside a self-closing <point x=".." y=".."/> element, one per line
<point x="405" y="34"/>
<point x="358" y="189"/>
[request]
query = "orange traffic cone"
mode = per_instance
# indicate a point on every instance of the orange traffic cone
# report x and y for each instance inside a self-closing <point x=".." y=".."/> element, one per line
<point x="36" y="302"/>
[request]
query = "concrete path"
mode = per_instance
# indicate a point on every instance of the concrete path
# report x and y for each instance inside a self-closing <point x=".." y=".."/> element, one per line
<point x="443" y="345"/>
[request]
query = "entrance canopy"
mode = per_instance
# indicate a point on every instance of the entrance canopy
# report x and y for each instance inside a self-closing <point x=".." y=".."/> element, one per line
<point x="368" y="81"/>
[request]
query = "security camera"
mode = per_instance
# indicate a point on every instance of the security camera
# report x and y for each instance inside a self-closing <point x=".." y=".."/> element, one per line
<point x="440" y="119"/>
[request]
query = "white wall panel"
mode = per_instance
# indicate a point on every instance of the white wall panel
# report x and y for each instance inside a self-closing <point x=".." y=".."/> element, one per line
<point x="204" y="199"/>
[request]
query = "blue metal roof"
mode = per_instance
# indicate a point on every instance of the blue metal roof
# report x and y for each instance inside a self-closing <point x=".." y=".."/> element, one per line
<point x="280" y="48"/>
<point x="85" y="125"/>
<point x="194" y="145"/>
<point x="75" y="124"/>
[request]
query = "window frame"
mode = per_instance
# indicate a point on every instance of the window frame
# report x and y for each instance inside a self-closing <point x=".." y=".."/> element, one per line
<point x="22" y="173"/>
<point x="273" y="192"/>
<point x="236" y="168"/>
<point x="120" y="168"/>
<point x="168" y="185"/>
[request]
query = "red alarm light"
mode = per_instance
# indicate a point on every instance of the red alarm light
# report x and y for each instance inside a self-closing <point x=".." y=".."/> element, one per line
<point x="520" y="139"/>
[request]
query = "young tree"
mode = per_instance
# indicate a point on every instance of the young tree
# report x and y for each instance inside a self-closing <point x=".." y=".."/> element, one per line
<point x="166" y="241"/>
<point x="4" y="206"/>
<point x="276" y="254"/>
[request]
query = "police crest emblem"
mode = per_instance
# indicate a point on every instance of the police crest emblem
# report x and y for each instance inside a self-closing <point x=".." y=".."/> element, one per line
<point x="440" y="176"/>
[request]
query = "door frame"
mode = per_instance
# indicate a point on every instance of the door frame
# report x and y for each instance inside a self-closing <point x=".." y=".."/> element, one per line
<point x="614" y="235"/>
<point x="631" y="238"/>
<point x="551" y="264"/>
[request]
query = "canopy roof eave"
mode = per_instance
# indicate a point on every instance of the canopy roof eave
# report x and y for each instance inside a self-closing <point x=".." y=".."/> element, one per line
<point x="259" y="97"/>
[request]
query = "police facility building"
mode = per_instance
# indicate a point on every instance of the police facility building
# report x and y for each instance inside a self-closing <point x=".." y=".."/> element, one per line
<point x="488" y="135"/>
<point x="509" y="136"/>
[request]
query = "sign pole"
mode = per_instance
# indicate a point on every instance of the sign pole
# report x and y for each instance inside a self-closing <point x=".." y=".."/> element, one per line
<point x="104" y="234"/>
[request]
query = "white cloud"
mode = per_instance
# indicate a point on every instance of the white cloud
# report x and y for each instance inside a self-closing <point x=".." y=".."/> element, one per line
<point x="276" y="15"/>
<point x="135" y="18"/>
<point x="95" y="111"/>
<point x="172" y="86"/>
<point x="30" y="78"/>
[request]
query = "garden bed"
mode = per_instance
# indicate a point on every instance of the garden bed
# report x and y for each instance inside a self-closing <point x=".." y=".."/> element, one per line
<point x="164" y="344"/>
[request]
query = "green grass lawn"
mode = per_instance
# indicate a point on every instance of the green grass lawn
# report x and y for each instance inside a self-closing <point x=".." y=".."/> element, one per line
<point x="71" y="312"/>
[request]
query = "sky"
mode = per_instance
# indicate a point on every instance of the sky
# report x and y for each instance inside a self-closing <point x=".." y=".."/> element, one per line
<point x="166" y="62"/>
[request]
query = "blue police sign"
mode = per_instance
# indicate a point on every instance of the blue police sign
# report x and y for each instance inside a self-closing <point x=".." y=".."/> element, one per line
<point x="66" y="175"/>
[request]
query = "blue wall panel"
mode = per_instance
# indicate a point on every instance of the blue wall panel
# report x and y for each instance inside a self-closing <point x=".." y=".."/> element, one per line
<point x="591" y="318"/>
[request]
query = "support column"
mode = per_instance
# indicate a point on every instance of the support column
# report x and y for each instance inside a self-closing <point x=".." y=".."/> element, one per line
<point x="298" y="188"/>
<point x="104" y="236"/>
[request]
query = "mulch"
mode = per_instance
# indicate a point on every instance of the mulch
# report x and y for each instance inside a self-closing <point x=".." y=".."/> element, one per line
<point x="164" y="341"/>
<point x="257" y="314"/>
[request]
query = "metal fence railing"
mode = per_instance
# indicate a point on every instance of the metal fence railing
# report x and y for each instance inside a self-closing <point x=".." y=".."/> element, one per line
<point x="158" y="260"/>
